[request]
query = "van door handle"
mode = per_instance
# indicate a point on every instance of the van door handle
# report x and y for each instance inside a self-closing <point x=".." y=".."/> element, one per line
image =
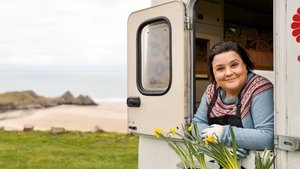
<point x="133" y="101"/>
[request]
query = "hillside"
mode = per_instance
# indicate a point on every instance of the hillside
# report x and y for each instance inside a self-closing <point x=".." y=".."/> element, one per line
<point x="21" y="100"/>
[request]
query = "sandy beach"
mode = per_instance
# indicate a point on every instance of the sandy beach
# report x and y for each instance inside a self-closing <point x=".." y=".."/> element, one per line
<point x="107" y="115"/>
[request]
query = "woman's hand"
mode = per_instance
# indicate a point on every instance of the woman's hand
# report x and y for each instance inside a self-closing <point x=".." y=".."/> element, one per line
<point x="215" y="130"/>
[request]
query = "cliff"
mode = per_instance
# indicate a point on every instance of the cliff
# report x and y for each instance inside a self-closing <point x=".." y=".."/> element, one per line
<point x="22" y="100"/>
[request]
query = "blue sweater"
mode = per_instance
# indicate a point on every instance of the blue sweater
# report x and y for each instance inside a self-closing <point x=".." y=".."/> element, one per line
<point x="258" y="131"/>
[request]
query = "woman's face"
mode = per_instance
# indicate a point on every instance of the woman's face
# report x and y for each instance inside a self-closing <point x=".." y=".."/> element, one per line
<point x="230" y="72"/>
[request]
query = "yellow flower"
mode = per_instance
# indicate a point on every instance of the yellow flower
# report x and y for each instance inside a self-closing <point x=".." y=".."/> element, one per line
<point x="172" y="130"/>
<point x="190" y="127"/>
<point x="210" y="139"/>
<point x="157" y="132"/>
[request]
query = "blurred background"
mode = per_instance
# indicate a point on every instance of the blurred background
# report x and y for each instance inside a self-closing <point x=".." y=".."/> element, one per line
<point x="54" y="46"/>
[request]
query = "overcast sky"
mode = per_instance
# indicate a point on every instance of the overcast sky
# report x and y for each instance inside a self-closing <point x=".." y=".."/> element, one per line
<point x="65" y="32"/>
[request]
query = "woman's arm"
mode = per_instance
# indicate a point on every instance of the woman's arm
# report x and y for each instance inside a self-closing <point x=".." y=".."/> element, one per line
<point x="261" y="116"/>
<point x="200" y="117"/>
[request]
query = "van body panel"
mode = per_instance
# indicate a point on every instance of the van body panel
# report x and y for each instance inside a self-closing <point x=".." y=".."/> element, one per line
<point x="287" y="67"/>
<point x="171" y="108"/>
<point x="165" y="110"/>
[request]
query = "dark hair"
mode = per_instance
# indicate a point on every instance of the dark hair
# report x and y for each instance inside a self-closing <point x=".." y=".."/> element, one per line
<point x="226" y="47"/>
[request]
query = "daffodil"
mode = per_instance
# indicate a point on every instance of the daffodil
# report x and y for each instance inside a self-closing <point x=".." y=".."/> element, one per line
<point x="190" y="127"/>
<point x="157" y="132"/>
<point x="209" y="139"/>
<point x="172" y="130"/>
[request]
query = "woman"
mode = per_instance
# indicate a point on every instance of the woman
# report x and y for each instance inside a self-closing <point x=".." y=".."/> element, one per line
<point x="236" y="97"/>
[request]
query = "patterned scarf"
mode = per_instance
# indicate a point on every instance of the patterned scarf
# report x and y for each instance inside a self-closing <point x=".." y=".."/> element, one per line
<point x="255" y="85"/>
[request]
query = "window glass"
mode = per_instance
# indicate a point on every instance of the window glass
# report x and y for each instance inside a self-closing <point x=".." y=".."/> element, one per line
<point x="155" y="58"/>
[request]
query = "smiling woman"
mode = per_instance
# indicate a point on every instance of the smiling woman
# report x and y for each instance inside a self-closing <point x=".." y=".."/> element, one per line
<point x="236" y="97"/>
<point x="230" y="72"/>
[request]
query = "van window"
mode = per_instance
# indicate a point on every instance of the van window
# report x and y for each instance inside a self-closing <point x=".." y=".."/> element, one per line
<point x="154" y="58"/>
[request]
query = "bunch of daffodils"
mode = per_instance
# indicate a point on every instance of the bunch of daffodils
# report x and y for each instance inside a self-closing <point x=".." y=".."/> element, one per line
<point x="184" y="145"/>
<point x="192" y="149"/>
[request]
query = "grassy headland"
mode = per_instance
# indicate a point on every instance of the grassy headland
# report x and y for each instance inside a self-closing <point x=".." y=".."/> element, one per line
<point x="21" y="100"/>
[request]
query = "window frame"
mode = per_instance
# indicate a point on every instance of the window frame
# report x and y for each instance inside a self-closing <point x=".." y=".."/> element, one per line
<point x="139" y="56"/>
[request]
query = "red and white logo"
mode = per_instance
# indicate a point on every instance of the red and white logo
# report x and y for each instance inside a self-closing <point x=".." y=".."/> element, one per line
<point x="296" y="25"/>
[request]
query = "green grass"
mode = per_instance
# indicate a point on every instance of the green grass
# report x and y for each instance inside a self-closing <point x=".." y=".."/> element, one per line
<point x="70" y="150"/>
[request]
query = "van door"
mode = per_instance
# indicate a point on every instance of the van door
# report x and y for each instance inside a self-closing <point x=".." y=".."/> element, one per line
<point x="157" y="63"/>
<point x="287" y="64"/>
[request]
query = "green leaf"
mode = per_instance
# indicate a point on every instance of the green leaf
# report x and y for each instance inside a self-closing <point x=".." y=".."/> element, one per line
<point x="264" y="161"/>
<point x="233" y="141"/>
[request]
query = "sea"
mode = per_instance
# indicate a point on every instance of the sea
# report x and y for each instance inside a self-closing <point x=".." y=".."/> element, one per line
<point x="99" y="82"/>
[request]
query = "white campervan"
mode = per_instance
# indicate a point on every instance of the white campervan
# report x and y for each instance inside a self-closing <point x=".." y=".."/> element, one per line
<point x="167" y="67"/>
